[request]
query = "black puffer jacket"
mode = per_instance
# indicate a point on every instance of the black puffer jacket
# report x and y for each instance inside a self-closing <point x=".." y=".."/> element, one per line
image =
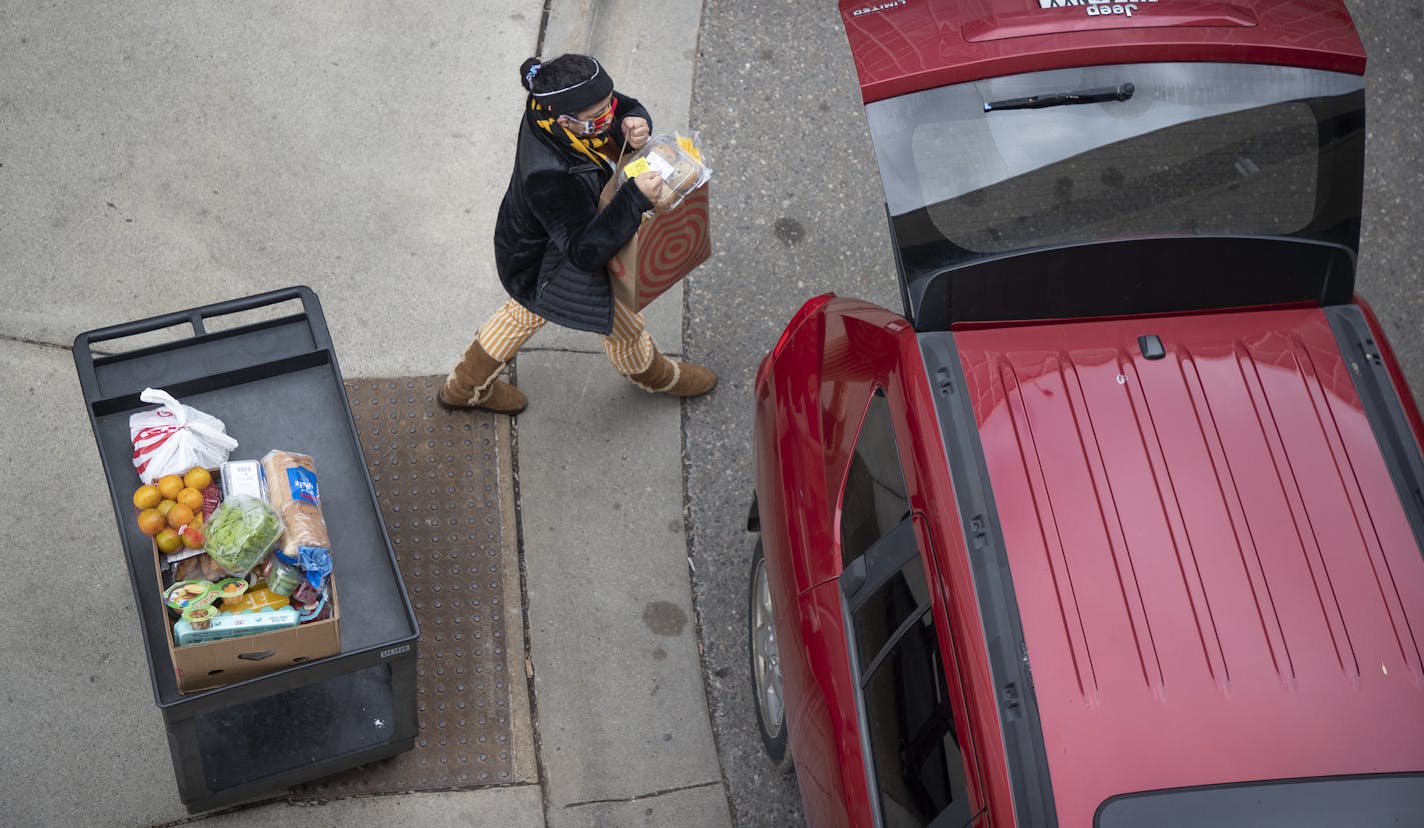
<point x="551" y="242"/>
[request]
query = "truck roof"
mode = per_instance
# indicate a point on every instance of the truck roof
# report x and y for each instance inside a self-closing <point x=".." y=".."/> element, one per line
<point x="1217" y="578"/>
<point x="903" y="46"/>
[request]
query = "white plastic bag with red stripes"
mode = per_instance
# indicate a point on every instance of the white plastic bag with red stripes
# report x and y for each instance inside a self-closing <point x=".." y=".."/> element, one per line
<point x="175" y="438"/>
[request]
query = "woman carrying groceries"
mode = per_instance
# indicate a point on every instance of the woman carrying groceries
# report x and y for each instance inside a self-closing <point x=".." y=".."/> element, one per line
<point x="552" y="243"/>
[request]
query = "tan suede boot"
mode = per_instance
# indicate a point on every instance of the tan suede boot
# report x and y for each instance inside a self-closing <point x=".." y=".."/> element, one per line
<point x="474" y="383"/>
<point x="678" y="379"/>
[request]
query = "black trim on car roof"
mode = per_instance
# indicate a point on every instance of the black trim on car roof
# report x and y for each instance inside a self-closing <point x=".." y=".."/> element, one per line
<point x="1361" y="801"/>
<point x="1383" y="409"/>
<point x="993" y="583"/>
<point x="1134" y="276"/>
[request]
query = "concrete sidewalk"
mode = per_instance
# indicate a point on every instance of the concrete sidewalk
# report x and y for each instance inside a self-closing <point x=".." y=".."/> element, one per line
<point x="166" y="156"/>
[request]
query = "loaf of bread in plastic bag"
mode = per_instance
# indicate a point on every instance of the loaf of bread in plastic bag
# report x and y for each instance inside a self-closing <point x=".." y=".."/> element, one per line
<point x="293" y="491"/>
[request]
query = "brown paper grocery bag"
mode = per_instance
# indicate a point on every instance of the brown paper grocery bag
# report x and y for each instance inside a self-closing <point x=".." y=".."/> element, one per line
<point x="666" y="248"/>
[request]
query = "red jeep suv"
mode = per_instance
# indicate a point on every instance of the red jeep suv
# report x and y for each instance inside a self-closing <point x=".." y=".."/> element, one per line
<point x="1118" y="522"/>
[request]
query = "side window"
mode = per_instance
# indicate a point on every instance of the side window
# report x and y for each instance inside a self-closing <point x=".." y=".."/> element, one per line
<point x="875" y="498"/>
<point x="917" y="770"/>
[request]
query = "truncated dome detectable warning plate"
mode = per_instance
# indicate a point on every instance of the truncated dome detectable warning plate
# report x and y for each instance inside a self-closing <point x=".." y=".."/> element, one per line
<point x="436" y="476"/>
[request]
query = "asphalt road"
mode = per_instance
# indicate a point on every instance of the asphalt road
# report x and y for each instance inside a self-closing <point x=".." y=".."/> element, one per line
<point x="798" y="210"/>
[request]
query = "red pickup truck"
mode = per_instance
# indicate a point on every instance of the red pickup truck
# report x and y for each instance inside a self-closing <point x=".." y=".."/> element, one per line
<point x="1118" y="520"/>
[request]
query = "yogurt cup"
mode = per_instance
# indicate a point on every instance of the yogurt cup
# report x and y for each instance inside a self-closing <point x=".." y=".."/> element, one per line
<point x="186" y="594"/>
<point x="231" y="590"/>
<point x="200" y="617"/>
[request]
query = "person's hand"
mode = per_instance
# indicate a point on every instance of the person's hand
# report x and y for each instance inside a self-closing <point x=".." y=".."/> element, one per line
<point x="636" y="130"/>
<point x="649" y="184"/>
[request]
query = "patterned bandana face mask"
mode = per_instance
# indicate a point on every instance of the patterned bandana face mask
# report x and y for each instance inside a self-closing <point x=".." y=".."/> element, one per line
<point x="586" y="129"/>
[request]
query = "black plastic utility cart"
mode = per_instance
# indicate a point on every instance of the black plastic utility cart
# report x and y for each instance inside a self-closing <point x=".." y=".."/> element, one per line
<point x="275" y="384"/>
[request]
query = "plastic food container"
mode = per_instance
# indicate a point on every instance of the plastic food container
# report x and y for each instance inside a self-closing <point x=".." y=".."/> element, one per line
<point x="231" y="590"/>
<point x="318" y="611"/>
<point x="257" y="598"/>
<point x="200" y="617"/>
<point x="682" y="170"/>
<point x="243" y="477"/>
<point x="234" y="625"/>
<point x="188" y="594"/>
<point x="241" y="531"/>
<point x="282" y="578"/>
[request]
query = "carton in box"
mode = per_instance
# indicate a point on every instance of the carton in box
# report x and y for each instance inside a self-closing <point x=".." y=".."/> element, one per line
<point x="202" y="666"/>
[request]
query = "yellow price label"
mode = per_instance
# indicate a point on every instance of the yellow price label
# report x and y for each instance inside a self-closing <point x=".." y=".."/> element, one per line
<point x="636" y="167"/>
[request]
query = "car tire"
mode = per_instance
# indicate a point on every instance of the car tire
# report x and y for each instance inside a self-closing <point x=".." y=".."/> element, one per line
<point x="765" y="664"/>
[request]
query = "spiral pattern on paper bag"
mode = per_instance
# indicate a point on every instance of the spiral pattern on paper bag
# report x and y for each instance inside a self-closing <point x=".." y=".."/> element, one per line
<point x="669" y="247"/>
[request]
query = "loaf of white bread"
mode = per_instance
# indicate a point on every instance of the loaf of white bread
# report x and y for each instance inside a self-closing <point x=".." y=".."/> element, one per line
<point x="292" y="489"/>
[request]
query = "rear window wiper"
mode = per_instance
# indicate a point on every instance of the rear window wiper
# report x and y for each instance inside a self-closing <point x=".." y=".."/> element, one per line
<point x="1121" y="92"/>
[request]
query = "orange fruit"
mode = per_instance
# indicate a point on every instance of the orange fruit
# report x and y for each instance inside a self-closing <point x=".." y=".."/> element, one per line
<point x="164" y="505"/>
<point x="179" y="516"/>
<point x="170" y="485"/>
<point x="192" y="498"/>
<point x="146" y="497"/>
<point x="168" y="541"/>
<point x="151" y="522"/>
<point x="197" y="478"/>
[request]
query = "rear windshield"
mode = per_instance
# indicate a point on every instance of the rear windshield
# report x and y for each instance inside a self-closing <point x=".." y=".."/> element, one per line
<point x="1358" y="802"/>
<point x="974" y="169"/>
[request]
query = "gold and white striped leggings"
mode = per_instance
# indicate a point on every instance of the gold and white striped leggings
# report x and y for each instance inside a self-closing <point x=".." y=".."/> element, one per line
<point x="629" y="347"/>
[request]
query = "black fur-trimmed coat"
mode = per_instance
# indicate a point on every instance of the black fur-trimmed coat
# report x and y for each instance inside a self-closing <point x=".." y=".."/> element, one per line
<point x="551" y="242"/>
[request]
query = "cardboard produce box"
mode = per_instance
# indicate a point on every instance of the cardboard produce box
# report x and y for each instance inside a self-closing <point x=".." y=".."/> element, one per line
<point x="228" y="660"/>
<point x="215" y="663"/>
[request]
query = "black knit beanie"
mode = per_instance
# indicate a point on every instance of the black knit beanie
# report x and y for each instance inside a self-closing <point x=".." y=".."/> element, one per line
<point x="567" y="84"/>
